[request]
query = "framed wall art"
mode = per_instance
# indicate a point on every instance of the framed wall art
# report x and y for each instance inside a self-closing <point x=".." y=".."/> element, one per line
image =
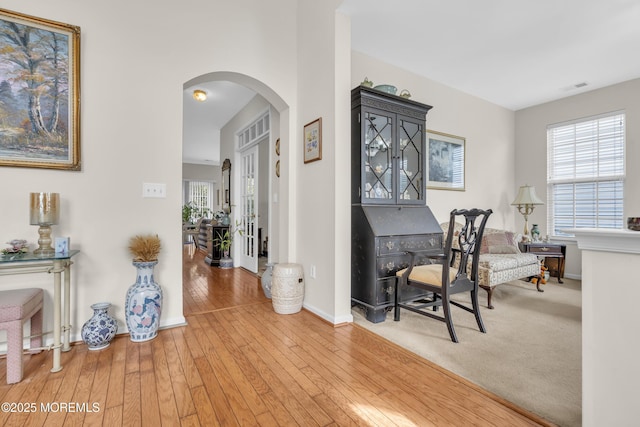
<point x="39" y="92"/>
<point x="313" y="141"/>
<point x="446" y="161"/>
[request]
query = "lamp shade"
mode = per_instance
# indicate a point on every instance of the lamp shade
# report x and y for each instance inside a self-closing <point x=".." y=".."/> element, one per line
<point x="527" y="196"/>
<point x="44" y="208"/>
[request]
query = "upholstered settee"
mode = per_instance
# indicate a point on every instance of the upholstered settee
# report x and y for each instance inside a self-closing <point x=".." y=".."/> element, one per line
<point x="500" y="259"/>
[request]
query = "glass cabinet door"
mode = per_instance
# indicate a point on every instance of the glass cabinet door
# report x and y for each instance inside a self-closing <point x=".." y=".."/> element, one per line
<point x="410" y="161"/>
<point x="378" y="180"/>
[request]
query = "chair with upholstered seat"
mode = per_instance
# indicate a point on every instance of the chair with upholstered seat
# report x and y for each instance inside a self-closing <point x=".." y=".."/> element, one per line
<point x="192" y="231"/>
<point x="440" y="279"/>
<point x="16" y="307"/>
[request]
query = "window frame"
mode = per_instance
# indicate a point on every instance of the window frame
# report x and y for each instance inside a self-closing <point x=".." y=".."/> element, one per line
<point x="207" y="211"/>
<point x="601" y="165"/>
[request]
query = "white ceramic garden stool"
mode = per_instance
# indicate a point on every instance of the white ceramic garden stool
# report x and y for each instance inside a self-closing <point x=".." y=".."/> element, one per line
<point x="287" y="288"/>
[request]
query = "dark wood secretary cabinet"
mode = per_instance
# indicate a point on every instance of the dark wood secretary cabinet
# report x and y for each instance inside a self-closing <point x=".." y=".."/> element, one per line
<point x="214" y="254"/>
<point x="389" y="215"/>
<point x="388" y="149"/>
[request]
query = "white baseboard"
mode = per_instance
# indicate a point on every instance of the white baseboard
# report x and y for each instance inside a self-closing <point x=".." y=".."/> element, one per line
<point x="331" y="319"/>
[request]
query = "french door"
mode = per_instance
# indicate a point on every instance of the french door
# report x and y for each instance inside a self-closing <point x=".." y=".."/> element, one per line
<point x="249" y="209"/>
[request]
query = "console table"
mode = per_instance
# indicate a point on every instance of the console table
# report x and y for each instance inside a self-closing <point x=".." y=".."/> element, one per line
<point x="56" y="264"/>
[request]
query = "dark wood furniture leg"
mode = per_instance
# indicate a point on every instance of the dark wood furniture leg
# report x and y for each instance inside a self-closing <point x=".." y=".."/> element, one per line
<point x="489" y="290"/>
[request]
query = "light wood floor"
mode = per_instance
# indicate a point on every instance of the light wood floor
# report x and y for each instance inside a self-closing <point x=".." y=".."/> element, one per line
<point x="238" y="363"/>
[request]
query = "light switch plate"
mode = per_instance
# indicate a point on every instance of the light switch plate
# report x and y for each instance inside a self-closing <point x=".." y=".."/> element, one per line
<point x="154" y="190"/>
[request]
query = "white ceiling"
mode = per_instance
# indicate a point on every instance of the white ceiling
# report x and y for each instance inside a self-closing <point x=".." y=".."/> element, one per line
<point x="514" y="53"/>
<point x="202" y="121"/>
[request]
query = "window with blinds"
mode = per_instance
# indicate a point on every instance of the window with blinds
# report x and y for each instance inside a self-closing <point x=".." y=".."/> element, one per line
<point x="199" y="193"/>
<point x="585" y="173"/>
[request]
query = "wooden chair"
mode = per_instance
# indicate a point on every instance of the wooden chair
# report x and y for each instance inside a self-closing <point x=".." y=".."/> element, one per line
<point x="16" y="307"/>
<point x="441" y="279"/>
<point x="192" y="230"/>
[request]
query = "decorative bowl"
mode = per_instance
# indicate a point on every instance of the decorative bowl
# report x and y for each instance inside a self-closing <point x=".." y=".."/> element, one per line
<point x="387" y="89"/>
<point x="633" y="223"/>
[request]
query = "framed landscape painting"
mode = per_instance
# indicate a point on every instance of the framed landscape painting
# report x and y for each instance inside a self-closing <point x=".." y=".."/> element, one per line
<point x="446" y="161"/>
<point x="39" y="92"/>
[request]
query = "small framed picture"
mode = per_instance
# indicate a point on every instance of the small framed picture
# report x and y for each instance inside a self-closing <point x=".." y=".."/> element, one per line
<point x="313" y="141"/>
<point x="62" y="245"/>
<point x="446" y="161"/>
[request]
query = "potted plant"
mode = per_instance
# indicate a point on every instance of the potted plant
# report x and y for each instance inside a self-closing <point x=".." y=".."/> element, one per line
<point x="188" y="212"/>
<point x="224" y="243"/>
<point x="143" y="304"/>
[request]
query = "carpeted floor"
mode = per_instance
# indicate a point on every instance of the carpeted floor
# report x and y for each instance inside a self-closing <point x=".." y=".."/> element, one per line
<point x="530" y="355"/>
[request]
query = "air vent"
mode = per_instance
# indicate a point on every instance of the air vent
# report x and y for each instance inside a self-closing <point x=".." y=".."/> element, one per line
<point x="579" y="85"/>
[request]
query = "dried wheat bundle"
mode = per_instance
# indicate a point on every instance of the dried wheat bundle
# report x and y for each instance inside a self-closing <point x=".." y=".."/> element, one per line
<point x="145" y="248"/>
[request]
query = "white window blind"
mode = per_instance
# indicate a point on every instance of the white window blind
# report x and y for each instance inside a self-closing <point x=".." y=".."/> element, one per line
<point x="585" y="166"/>
<point x="200" y="194"/>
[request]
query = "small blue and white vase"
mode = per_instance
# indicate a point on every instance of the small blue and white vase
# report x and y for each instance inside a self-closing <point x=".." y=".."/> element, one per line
<point x="98" y="331"/>
<point x="143" y="304"/>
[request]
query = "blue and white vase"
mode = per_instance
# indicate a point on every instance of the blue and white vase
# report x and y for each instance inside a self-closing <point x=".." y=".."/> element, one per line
<point x="143" y="305"/>
<point x="265" y="280"/>
<point x="98" y="331"/>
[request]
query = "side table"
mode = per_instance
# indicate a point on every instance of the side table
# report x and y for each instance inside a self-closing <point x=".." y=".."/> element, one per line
<point x="56" y="264"/>
<point x="555" y="251"/>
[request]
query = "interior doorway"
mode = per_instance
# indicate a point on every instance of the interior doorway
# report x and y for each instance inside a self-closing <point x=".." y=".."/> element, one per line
<point x="249" y="209"/>
<point x="253" y="193"/>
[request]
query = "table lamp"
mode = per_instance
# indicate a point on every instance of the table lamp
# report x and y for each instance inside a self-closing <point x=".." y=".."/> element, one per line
<point x="526" y="200"/>
<point x="45" y="213"/>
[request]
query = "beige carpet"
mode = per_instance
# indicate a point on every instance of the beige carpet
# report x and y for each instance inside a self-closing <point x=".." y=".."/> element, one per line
<point x="530" y="355"/>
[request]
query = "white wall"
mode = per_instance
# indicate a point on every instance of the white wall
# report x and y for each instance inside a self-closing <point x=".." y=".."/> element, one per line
<point x="320" y="55"/>
<point x="531" y="147"/>
<point x="129" y="49"/>
<point x="489" y="133"/>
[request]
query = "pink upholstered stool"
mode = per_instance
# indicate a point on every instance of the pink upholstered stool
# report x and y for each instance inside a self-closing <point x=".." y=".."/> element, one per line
<point x="16" y="307"/>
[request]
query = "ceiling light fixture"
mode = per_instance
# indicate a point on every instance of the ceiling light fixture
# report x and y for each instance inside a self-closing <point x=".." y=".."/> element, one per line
<point x="199" y="95"/>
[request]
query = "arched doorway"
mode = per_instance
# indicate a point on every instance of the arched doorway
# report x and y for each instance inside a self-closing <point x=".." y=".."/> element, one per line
<point x="277" y="185"/>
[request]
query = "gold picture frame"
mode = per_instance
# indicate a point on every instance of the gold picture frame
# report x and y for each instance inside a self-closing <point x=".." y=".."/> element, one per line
<point x="446" y="161"/>
<point x="47" y="134"/>
<point x="312" y="141"/>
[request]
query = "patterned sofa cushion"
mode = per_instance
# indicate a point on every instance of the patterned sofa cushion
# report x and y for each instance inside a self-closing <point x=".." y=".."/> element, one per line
<point x="500" y="262"/>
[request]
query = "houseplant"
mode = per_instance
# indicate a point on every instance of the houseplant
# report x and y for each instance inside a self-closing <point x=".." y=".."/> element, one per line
<point x="224" y="243"/>
<point x="143" y="304"/>
<point x="189" y="211"/>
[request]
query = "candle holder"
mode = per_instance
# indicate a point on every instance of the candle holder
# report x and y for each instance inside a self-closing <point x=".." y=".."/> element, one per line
<point x="44" y="212"/>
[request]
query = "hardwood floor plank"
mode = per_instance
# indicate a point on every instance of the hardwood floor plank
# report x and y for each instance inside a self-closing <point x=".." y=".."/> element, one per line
<point x="190" y="421"/>
<point x="99" y="387"/>
<point x="31" y="388"/>
<point x="218" y="398"/>
<point x="149" y="404"/>
<point x="166" y="398"/>
<point x="284" y="389"/>
<point x="186" y="360"/>
<point x="241" y="375"/>
<point x="115" y="390"/>
<point x="113" y="416"/>
<point x="181" y="390"/>
<point x="204" y="408"/>
<point x="131" y="411"/>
